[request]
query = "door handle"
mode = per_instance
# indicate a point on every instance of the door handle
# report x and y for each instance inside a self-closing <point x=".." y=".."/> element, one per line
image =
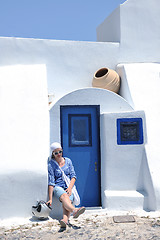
<point x="95" y="166"/>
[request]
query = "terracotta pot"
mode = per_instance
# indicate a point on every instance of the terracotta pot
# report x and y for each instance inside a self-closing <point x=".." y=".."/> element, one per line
<point x="106" y="78"/>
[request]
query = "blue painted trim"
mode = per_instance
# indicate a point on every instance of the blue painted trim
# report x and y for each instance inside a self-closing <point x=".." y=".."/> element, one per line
<point x="124" y="122"/>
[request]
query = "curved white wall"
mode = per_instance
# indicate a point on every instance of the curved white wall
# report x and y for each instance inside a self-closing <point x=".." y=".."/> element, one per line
<point x="108" y="101"/>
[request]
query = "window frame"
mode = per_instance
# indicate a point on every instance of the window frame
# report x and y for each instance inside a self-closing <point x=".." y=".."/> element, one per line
<point x="129" y="121"/>
<point x="70" y="131"/>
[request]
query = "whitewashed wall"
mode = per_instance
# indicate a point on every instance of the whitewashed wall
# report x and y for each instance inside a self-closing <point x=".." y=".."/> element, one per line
<point x="138" y="33"/>
<point x="70" y="66"/>
<point x="141" y="82"/>
<point x="24" y="138"/>
<point x="110" y="29"/>
<point x="123" y="186"/>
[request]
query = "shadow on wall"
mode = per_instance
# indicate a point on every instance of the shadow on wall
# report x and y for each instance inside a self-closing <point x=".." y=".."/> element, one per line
<point x="145" y="185"/>
<point x="19" y="191"/>
<point x="57" y="210"/>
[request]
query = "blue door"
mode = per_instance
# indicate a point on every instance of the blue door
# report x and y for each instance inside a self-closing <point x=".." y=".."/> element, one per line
<point x="81" y="143"/>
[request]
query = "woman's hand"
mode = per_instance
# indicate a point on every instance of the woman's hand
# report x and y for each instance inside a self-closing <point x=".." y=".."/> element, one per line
<point x="49" y="203"/>
<point x="69" y="191"/>
<point x="50" y="193"/>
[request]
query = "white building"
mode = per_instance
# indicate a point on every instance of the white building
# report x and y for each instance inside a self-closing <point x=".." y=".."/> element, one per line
<point x="123" y="171"/>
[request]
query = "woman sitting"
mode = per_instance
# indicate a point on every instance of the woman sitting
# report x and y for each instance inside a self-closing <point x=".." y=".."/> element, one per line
<point x="57" y="184"/>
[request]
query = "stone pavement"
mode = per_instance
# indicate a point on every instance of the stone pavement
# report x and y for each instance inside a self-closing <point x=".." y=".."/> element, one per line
<point x="95" y="226"/>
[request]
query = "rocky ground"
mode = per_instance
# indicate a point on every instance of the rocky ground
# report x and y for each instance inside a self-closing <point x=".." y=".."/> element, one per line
<point x="87" y="226"/>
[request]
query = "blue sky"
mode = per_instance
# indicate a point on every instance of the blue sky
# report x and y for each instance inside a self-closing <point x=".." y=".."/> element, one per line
<point x="54" y="19"/>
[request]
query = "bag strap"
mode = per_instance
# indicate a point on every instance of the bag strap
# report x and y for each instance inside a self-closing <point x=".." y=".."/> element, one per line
<point x="59" y="167"/>
<point x="63" y="174"/>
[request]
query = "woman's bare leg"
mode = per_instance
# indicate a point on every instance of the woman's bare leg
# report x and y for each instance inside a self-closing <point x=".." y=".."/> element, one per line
<point x="66" y="202"/>
<point x="68" y="208"/>
<point x="66" y="215"/>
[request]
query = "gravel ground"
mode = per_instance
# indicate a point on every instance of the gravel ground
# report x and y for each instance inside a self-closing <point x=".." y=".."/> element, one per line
<point x="87" y="226"/>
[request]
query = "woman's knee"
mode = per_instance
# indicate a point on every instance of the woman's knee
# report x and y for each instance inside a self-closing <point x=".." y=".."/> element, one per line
<point x="64" y="197"/>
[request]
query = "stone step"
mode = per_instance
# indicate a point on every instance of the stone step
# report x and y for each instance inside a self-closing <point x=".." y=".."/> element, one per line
<point x="123" y="200"/>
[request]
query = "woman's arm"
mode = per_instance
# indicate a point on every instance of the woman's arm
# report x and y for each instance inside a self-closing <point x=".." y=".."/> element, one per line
<point x="69" y="189"/>
<point x="51" y="182"/>
<point x="50" y="194"/>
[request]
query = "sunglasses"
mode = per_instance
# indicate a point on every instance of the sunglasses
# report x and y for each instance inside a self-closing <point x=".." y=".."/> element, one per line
<point x="56" y="153"/>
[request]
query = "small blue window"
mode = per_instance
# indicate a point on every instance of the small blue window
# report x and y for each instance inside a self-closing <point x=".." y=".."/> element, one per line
<point x="80" y="130"/>
<point x="129" y="131"/>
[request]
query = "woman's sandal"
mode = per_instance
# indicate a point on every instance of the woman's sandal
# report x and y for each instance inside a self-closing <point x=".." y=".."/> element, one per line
<point x="63" y="223"/>
<point x="78" y="212"/>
